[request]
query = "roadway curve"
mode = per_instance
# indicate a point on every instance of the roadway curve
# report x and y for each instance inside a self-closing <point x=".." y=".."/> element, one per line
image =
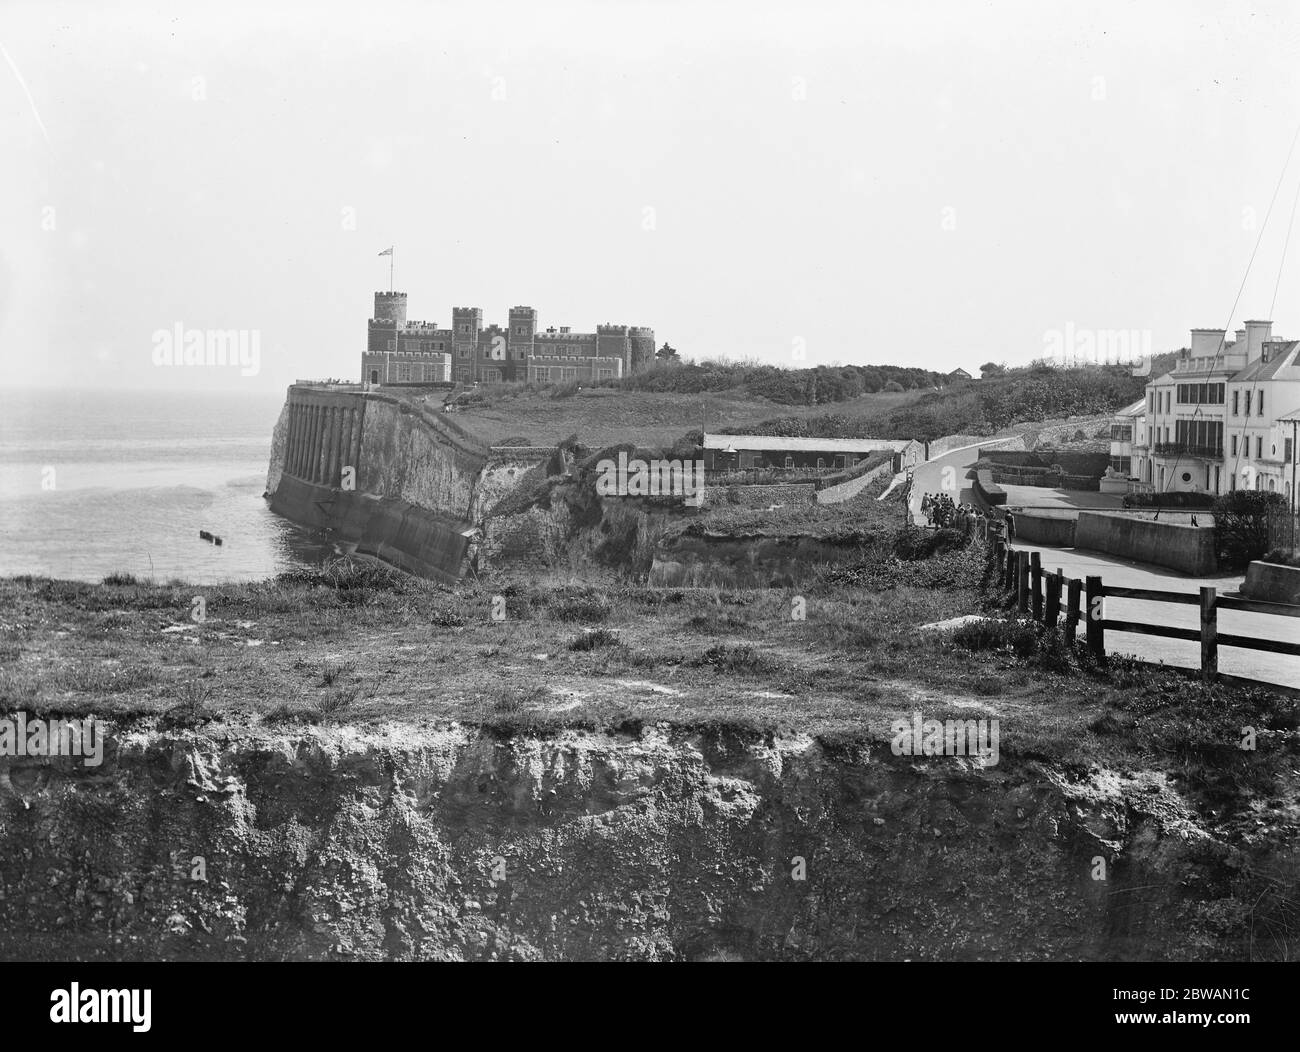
<point x="928" y="478"/>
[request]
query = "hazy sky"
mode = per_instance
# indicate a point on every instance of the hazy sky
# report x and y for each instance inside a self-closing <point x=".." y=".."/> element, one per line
<point x="916" y="183"/>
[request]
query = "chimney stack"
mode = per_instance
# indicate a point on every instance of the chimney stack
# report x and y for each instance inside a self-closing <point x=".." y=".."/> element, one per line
<point x="1256" y="333"/>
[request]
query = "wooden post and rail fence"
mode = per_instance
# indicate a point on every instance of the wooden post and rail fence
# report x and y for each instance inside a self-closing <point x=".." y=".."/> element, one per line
<point x="1038" y="594"/>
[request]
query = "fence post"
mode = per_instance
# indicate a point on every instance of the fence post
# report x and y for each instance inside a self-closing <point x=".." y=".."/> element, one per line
<point x="1053" y="599"/>
<point x="1000" y="554"/>
<point x="1009" y="579"/>
<point x="1092" y="611"/>
<point x="1209" y="635"/>
<point x="1072" y="589"/>
<point x="1036" y="576"/>
<point x="1022" y="582"/>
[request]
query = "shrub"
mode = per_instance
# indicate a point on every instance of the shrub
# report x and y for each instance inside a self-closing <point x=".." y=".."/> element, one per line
<point x="595" y="639"/>
<point x="1019" y="637"/>
<point x="582" y="608"/>
<point x="742" y="658"/>
<point x="1177" y="499"/>
<point x="120" y="579"/>
<point x="1241" y="525"/>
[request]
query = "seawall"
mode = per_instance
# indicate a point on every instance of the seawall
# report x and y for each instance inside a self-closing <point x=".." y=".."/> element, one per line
<point x="1186" y="548"/>
<point x="384" y="474"/>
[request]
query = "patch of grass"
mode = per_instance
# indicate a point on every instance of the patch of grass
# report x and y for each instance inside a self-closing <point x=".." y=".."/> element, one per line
<point x="330" y="673"/>
<point x="595" y="639"/>
<point x="118" y="579"/>
<point x="741" y="658"/>
<point x="586" y="609"/>
<point x="335" y="703"/>
<point x="191" y="711"/>
<point x="285" y="713"/>
<point x="1017" y="637"/>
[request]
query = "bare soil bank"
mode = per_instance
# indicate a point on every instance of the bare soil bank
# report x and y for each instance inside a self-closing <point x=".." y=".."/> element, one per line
<point x="423" y="843"/>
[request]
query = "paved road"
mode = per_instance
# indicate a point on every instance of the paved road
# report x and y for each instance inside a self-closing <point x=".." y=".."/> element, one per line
<point x="929" y="478"/>
<point x="1271" y="668"/>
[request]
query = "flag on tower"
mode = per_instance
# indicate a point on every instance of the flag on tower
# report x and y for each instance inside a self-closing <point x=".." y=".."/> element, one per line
<point x="388" y="251"/>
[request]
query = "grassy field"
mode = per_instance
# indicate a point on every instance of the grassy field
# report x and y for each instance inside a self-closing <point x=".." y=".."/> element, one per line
<point x="361" y="645"/>
<point x="602" y="416"/>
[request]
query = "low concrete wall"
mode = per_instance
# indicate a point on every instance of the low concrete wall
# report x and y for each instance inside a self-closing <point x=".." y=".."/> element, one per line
<point x="987" y="490"/>
<point x="412" y="538"/>
<point x="848" y="490"/>
<point x="1186" y="548"/>
<point x="763" y="496"/>
<point x="1043" y="529"/>
<point x="1272" y="583"/>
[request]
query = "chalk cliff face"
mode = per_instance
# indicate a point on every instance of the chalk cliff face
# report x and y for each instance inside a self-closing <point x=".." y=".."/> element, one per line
<point x="279" y="439"/>
<point x="407" y="842"/>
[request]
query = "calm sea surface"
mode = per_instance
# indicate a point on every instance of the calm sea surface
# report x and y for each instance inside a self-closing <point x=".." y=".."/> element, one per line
<point x="93" y="482"/>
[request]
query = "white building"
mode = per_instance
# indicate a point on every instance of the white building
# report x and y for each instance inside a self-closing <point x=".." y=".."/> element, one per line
<point x="1126" y="427"/>
<point x="1215" y="423"/>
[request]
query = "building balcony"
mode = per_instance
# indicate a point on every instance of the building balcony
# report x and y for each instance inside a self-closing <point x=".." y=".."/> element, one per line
<point x="1188" y="449"/>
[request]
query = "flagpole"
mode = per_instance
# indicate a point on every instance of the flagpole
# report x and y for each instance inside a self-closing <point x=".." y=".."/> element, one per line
<point x="392" y="254"/>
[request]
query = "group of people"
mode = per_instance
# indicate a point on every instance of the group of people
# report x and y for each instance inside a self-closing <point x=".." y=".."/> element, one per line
<point x="942" y="511"/>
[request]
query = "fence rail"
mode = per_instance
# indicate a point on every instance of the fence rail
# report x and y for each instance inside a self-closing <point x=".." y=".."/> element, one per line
<point x="1038" y="593"/>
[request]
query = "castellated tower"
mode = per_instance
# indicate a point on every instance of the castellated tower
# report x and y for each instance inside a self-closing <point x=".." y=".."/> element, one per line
<point x="390" y="307"/>
<point x="612" y="342"/>
<point x="642" y="342"/>
<point x="523" y="327"/>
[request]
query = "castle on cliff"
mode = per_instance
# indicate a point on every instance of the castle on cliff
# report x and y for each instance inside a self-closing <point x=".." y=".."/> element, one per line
<point x="399" y="351"/>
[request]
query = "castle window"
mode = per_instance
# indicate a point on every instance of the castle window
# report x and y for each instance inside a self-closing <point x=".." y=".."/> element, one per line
<point x="392" y="345"/>
<point x="464" y="328"/>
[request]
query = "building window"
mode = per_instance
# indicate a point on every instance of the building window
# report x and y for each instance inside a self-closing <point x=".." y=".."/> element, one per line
<point x="1261" y="403"/>
<point x="1286" y="450"/>
<point x="464" y="328"/>
<point x="374" y="376"/>
<point x="789" y="462"/>
<point x="1236" y="402"/>
<point x="1234" y="445"/>
<point x="1259" y="447"/>
<point x="1200" y="394"/>
<point x="821" y="463"/>
<point x="1248" y="403"/>
<point x="392" y="345"/>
